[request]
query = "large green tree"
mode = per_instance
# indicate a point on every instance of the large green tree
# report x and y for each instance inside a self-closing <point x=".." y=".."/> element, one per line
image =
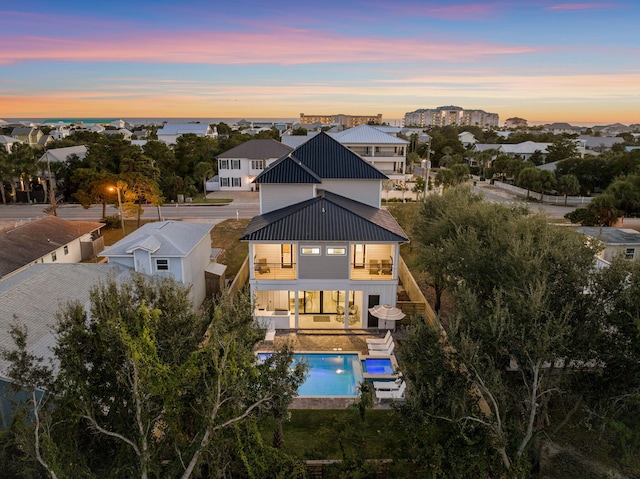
<point x="145" y="386"/>
<point x="517" y="284"/>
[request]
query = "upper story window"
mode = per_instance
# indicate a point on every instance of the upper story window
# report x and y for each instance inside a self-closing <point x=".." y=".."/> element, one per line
<point x="310" y="250"/>
<point x="54" y="256"/>
<point x="336" y="250"/>
<point x="235" y="164"/>
<point x="162" y="264"/>
<point x="257" y="164"/>
<point x="66" y="249"/>
<point x="223" y="164"/>
<point x="629" y="253"/>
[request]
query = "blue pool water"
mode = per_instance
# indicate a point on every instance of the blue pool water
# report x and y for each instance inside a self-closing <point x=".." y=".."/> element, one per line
<point x="329" y="374"/>
<point x="378" y="366"/>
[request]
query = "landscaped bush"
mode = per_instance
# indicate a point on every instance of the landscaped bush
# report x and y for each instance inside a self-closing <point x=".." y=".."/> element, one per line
<point x="111" y="222"/>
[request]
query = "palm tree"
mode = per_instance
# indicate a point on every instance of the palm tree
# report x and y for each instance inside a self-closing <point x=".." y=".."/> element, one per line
<point x="604" y="209"/>
<point x="568" y="185"/>
<point x="529" y="178"/>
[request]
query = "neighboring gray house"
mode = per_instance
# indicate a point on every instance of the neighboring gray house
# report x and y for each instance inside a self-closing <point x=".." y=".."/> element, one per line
<point x="32" y="298"/>
<point x="616" y="241"/>
<point x="176" y="248"/>
<point x="599" y="144"/>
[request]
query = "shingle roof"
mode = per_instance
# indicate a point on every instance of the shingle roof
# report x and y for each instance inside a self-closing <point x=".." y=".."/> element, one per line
<point x="323" y="156"/>
<point x="258" y="149"/>
<point x="367" y="135"/>
<point x="328" y="217"/>
<point x="610" y="235"/>
<point x="34" y="296"/>
<point x="26" y="243"/>
<point x="165" y="238"/>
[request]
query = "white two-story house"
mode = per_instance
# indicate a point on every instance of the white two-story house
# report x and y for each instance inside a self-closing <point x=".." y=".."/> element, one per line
<point x="239" y="166"/>
<point x="385" y="151"/>
<point x="322" y="251"/>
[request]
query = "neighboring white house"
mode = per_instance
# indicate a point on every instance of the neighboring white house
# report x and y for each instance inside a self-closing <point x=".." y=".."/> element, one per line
<point x="238" y="167"/>
<point x="48" y="240"/>
<point x="322" y="251"/>
<point x="384" y="151"/>
<point x="126" y="134"/>
<point x="7" y="142"/>
<point x="60" y="155"/>
<point x="524" y="150"/>
<point x="170" y="132"/>
<point x="175" y="248"/>
<point x="467" y="139"/>
<point x="616" y="241"/>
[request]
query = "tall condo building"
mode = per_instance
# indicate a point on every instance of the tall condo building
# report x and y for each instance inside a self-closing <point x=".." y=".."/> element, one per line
<point x="450" y="115"/>
<point x="347" y="121"/>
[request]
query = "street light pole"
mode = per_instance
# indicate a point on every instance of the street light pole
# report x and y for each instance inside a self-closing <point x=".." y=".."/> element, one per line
<point x="117" y="188"/>
<point x="427" y="165"/>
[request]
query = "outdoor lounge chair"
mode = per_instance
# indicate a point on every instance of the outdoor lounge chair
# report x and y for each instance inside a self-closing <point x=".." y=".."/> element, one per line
<point x="388" y="385"/>
<point x="261" y="266"/>
<point x="270" y="336"/>
<point x="380" y="346"/>
<point x="382" y="352"/>
<point x="393" y="393"/>
<point x="380" y="340"/>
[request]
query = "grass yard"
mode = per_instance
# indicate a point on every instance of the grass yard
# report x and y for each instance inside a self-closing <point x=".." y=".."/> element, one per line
<point x="325" y="434"/>
<point x="225" y="235"/>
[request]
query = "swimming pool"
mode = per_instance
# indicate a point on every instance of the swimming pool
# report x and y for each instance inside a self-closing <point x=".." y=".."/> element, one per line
<point x="376" y="366"/>
<point x="329" y="374"/>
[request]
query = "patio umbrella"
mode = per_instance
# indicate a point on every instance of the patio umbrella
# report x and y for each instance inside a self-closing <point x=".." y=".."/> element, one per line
<point x="387" y="312"/>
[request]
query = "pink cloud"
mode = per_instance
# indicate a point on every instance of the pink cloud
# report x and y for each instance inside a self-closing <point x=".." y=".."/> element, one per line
<point x="578" y="6"/>
<point x="279" y="46"/>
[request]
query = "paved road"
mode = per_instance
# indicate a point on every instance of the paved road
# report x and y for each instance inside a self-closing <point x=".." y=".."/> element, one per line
<point x="14" y="213"/>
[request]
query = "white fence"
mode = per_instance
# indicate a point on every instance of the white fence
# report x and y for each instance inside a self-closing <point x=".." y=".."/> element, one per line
<point x="546" y="199"/>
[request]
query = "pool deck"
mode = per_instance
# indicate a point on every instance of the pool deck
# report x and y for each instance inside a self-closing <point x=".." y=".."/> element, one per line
<point x="325" y="341"/>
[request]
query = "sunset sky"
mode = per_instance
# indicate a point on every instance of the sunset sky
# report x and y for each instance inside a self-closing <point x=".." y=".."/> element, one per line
<point x="541" y="60"/>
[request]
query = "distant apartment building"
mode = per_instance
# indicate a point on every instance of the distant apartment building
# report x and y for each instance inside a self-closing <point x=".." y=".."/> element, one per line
<point x="515" y="122"/>
<point x="346" y="121"/>
<point x="450" y="115"/>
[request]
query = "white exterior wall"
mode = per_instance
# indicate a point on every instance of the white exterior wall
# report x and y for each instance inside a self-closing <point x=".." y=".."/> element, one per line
<point x="193" y="266"/>
<point x="274" y="197"/>
<point x="74" y="254"/>
<point x="364" y="191"/>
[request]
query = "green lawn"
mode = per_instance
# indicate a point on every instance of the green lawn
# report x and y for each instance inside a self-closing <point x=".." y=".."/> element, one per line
<point x="324" y="434"/>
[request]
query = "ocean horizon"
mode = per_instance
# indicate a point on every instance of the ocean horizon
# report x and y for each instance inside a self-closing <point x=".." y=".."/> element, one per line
<point x="231" y="120"/>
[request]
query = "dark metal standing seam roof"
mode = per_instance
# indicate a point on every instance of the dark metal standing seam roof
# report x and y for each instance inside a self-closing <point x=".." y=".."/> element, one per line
<point x="287" y="170"/>
<point x="329" y="217"/>
<point x="257" y="149"/>
<point x="325" y="157"/>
